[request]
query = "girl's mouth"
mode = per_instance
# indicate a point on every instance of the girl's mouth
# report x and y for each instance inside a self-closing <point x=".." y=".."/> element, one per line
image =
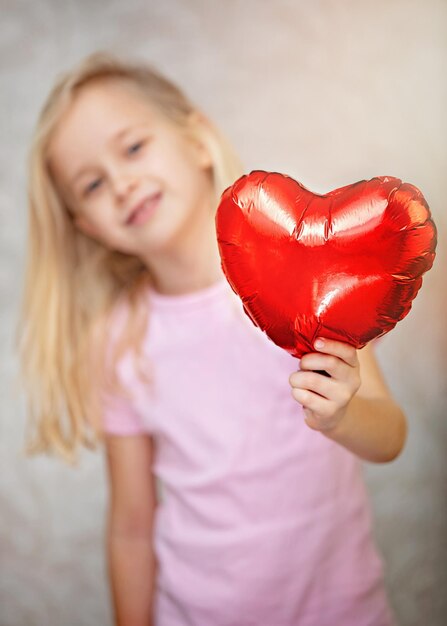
<point x="144" y="210"/>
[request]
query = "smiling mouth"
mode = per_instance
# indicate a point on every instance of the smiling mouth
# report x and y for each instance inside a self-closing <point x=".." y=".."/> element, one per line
<point x="144" y="210"/>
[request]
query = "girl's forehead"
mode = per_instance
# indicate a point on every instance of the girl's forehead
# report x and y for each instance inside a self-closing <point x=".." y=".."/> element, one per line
<point x="110" y="99"/>
<point x="99" y="113"/>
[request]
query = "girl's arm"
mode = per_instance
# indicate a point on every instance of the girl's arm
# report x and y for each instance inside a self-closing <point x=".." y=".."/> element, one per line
<point x="131" y="559"/>
<point x="354" y="406"/>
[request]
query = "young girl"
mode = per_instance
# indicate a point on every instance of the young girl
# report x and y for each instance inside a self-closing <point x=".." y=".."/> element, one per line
<point x="236" y="495"/>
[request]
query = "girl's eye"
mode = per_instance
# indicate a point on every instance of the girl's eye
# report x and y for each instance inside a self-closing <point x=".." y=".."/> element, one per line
<point x="135" y="147"/>
<point x="92" y="186"/>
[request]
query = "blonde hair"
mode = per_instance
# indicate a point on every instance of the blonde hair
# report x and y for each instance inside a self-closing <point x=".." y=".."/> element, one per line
<point x="72" y="283"/>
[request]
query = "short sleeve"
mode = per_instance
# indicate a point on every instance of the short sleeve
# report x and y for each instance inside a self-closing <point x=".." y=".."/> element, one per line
<point x="120" y="410"/>
<point x="120" y="416"/>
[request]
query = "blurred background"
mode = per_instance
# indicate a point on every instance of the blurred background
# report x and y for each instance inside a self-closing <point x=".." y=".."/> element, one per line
<point x="327" y="91"/>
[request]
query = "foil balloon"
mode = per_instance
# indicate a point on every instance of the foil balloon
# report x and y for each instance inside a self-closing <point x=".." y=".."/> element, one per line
<point x="344" y="265"/>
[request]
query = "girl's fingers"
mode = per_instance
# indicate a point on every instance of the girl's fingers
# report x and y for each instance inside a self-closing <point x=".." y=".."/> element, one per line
<point x="313" y="403"/>
<point x="335" y="367"/>
<point x="343" y="351"/>
<point x="313" y="382"/>
<point x="327" y="388"/>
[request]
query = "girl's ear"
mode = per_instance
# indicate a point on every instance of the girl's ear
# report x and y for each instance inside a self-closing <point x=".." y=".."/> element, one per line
<point x="200" y="130"/>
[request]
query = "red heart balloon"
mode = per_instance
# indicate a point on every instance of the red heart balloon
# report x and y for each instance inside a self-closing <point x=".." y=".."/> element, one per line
<point x="344" y="265"/>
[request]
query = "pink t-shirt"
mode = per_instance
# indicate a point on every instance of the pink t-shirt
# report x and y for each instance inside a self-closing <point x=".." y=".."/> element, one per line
<point x="262" y="521"/>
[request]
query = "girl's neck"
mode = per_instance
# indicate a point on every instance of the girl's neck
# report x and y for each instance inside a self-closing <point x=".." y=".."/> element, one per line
<point x="193" y="264"/>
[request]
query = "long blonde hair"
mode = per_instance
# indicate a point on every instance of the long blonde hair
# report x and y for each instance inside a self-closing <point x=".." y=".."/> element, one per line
<point x="73" y="283"/>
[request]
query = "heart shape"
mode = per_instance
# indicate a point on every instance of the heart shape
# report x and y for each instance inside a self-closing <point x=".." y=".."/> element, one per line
<point x="344" y="265"/>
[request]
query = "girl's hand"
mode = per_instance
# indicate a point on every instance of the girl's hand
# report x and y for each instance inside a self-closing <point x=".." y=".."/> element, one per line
<point x="325" y="399"/>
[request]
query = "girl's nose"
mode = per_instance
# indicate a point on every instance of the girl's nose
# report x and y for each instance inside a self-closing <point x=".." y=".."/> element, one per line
<point x="122" y="185"/>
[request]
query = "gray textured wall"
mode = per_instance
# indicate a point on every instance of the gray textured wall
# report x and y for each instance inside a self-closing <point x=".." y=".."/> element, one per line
<point x="327" y="91"/>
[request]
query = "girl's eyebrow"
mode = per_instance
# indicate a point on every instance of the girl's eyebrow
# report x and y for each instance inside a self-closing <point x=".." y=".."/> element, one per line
<point x="121" y="133"/>
<point x="115" y="137"/>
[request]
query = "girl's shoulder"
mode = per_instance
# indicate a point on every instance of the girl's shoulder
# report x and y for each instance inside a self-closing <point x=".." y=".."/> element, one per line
<point x="120" y="330"/>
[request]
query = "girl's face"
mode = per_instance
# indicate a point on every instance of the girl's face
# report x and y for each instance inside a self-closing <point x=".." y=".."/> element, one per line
<point x="132" y="180"/>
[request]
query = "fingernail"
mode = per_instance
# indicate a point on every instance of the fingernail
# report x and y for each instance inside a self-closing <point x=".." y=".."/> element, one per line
<point x="319" y="344"/>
